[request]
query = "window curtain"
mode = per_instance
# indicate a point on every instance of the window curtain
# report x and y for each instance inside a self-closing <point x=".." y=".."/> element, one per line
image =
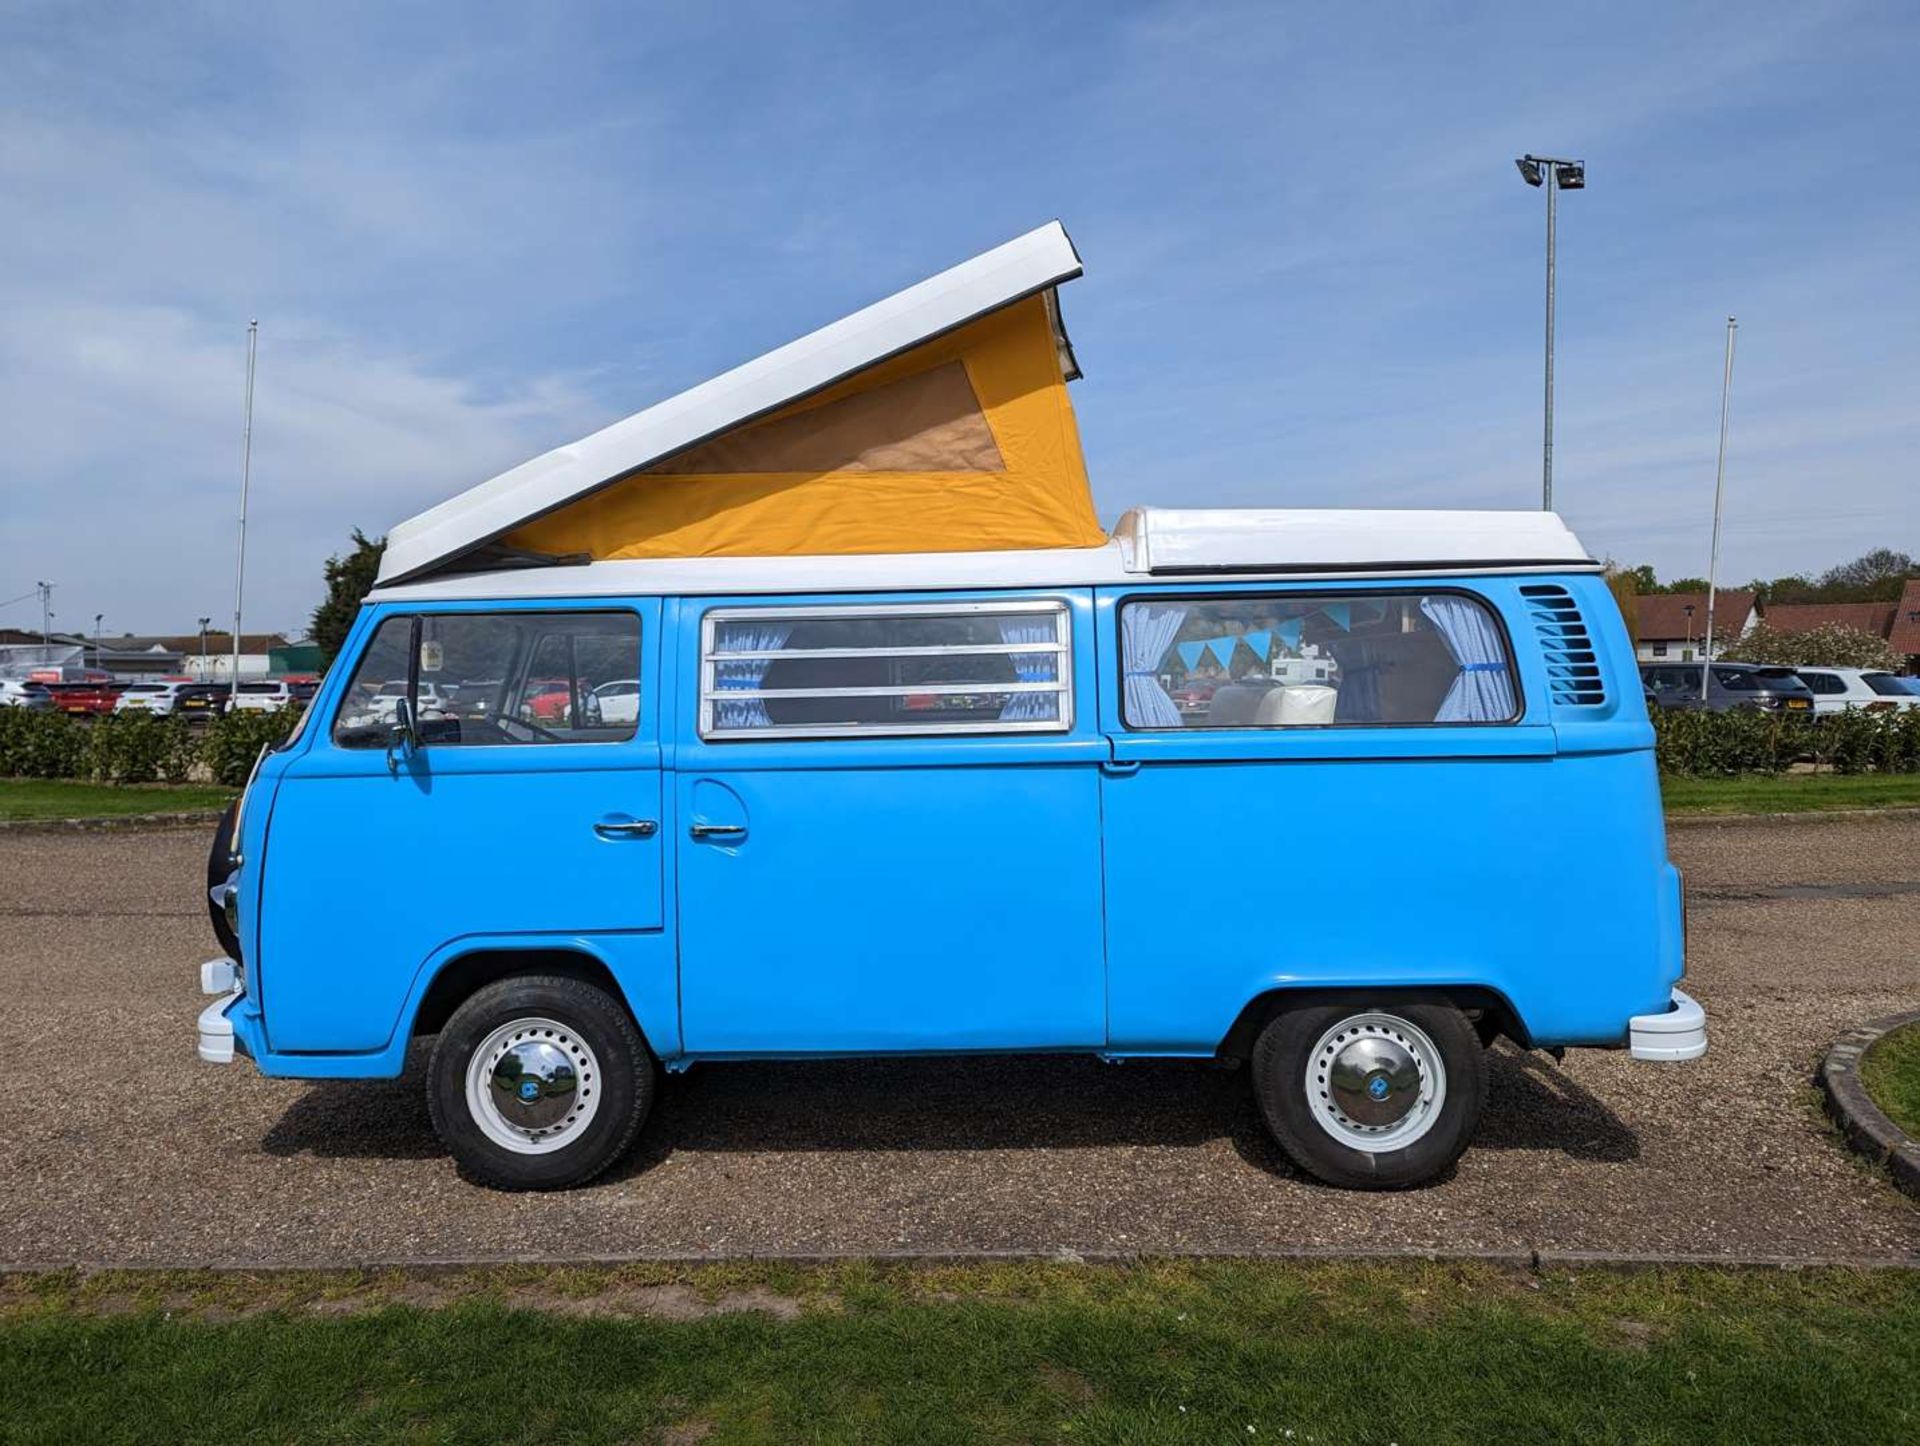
<point x="1483" y="690"/>
<point x="744" y="674"/>
<point x="1147" y="631"/>
<point x="1031" y="668"/>
<point x="1360" y="672"/>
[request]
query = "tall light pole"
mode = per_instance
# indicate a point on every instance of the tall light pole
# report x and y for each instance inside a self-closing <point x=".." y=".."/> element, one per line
<point x="1719" y="481"/>
<point x="1556" y="175"/>
<point x="203" y="648"/>
<point x="45" y="590"/>
<point x="97" y="619"/>
<point x="246" y="477"/>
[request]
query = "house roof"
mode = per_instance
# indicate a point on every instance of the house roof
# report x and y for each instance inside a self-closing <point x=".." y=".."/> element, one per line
<point x="1663" y="615"/>
<point x="1148" y="542"/>
<point x="1029" y="265"/>
<point x="1866" y="617"/>
<point x="217" y="642"/>
<point x="1904" y="635"/>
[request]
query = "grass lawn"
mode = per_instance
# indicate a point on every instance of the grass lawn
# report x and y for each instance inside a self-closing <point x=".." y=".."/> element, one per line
<point x="1204" y="1351"/>
<point x="1791" y="793"/>
<point x="1891" y="1074"/>
<point x="63" y="798"/>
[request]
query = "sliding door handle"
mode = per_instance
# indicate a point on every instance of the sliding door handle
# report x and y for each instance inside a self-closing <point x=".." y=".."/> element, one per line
<point x="706" y="831"/>
<point x="631" y="828"/>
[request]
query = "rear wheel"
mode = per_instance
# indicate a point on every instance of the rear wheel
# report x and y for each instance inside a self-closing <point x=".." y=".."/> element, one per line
<point x="539" y="1082"/>
<point x="1369" y="1093"/>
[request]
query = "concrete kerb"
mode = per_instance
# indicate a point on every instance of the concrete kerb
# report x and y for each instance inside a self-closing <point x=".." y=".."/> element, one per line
<point x="113" y="823"/>
<point x="1864" y="1124"/>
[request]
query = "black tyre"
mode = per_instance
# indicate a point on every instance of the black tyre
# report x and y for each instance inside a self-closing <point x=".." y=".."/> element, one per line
<point x="539" y="1082"/>
<point x="219" y="866"/>
<point x="1371" y="1093"/>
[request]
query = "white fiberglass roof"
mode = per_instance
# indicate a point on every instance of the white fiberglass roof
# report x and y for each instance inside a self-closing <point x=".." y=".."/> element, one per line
<point x="1035" y="262"/>
<point x="1167" y="544"/>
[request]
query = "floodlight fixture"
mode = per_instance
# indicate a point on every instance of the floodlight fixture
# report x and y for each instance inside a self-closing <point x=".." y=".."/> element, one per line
<point x="1555" y="174"/>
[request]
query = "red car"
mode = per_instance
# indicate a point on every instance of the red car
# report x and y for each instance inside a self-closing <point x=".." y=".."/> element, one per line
<point x="85" y="700"/>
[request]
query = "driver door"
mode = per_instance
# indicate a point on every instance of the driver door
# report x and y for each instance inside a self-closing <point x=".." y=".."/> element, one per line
<point x="522" y="811"/>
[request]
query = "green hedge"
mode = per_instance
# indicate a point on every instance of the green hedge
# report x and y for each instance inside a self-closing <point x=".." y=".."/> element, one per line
<point x="135" y="747"/>
<point x="138" y="748"/>
<point x="1720" y="745"/>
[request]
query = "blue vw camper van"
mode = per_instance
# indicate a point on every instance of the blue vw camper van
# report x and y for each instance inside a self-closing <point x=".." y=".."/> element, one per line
<point x="1345" y="796"/>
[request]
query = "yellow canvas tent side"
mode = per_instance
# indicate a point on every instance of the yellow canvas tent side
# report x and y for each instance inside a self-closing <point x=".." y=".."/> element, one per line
<point x="936" y="420"/>
<point x="964" y="443"/>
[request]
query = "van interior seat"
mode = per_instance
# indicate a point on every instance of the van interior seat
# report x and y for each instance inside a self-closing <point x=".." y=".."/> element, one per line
<point x="1297" y="704"/>
<point x="1237" y="704"/>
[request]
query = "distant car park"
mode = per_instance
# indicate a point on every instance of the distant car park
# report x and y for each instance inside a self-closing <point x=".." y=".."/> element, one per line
<point x="1731" y="686"/>
<point x="85" y="699"/>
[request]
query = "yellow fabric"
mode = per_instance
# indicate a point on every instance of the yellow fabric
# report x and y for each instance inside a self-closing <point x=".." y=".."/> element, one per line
<point x="1041" y="499"/>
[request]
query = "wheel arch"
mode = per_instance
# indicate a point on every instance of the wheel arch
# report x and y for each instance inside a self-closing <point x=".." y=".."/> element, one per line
<point x="1490" y="1011"/>
<point x="461" y="974"/>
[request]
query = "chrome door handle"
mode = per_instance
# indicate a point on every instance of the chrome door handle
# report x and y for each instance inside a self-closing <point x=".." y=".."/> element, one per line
<point x="635" y="828"/>
<point x="718" y="830"/>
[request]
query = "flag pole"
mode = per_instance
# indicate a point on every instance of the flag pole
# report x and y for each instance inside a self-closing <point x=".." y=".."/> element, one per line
<point x="1719" y="481"/>
<point x="246" y="479"/>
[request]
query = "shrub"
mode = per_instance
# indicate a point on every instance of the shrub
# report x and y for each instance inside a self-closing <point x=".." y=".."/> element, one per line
<point x="138" y="748"/>
<point x="235" y="740"/>
<point x="40" y="745"/>
<point x="1828" y="646"/>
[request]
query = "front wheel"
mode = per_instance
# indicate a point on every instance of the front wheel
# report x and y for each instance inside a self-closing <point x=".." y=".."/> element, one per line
<point x="538" y="1083"/>
<point x="1371" y="1094"/>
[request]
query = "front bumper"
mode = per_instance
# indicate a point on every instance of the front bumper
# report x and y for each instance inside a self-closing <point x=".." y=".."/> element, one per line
<point x="225" y="978"/>
<point x="1676" y="1033"/>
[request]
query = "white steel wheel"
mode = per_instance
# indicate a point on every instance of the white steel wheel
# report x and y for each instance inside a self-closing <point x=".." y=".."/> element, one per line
<point x="533" y="1086"/>
<point x="1375" y="1082"/>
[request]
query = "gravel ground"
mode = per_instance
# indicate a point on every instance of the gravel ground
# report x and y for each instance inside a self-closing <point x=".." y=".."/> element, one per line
<point x="132" y="1152"/>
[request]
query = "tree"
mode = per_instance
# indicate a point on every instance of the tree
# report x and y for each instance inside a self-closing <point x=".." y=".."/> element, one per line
<point x="349" y="579"/>
<point x="1829" y="646"/>
<point x="1875" y="576"/>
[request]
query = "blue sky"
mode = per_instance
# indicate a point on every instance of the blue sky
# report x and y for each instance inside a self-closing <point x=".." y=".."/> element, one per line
<point x="473" y="232"/>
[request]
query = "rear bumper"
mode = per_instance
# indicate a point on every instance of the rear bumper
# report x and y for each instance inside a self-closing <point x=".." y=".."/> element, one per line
<point x="1675" y="1033"/>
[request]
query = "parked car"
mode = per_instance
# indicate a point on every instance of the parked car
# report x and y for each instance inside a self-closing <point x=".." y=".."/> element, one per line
<point x="1733" y="685"/>
<point x="18" y="693"/>
<point x="615" y="702"/>
<point x="1837" y="689"/>
<point x="156" y="698"/>
<point x="202" y="702"/>
<point x="263" y="697"/>
<point x="87" y="699"/>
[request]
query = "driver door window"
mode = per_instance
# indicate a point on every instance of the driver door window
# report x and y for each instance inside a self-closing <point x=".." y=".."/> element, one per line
<point x="497" y="679"/>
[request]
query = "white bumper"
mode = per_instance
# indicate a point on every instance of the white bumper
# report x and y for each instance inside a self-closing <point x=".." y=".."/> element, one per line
<point x="1676" y="1033"/>
<point x="222" y="977"/>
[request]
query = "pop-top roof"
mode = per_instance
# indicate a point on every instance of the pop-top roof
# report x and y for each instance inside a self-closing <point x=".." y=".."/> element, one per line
<point x="1000" y="417"/>
<point x="1148" y="543"/>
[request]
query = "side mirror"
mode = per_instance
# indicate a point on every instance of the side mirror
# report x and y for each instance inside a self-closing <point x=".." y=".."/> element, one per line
<point x="402" y="736"/>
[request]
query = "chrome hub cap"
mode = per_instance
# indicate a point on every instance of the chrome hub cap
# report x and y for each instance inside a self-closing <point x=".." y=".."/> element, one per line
<point x="1375" y="1082"/>
<point x="532" y="1085"/>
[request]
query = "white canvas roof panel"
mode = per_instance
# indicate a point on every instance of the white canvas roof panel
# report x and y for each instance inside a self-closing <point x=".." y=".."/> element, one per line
<point x="1030" y="264"/>
<point x="1219" y="544"/>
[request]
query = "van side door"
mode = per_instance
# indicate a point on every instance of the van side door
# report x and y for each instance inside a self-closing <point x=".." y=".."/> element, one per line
<point x="888" y="824"/>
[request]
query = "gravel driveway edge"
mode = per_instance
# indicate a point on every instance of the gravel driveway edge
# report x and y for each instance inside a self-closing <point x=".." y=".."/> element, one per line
<point x="1866" y="1127"/>
<point x="131" y="822"/>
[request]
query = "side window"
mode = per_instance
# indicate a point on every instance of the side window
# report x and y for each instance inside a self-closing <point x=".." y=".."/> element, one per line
<point x="1288" y="660"/>
<point x="493" y="679"/>
<point x="936" y="668"/>
<point x="1825" y="682"/>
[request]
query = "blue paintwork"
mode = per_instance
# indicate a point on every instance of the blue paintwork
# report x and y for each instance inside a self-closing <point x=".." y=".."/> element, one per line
<point x="1098" y="890"/>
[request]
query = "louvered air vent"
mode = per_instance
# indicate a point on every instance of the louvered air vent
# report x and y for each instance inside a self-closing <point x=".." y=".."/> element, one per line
<point x="1573" y="668"/>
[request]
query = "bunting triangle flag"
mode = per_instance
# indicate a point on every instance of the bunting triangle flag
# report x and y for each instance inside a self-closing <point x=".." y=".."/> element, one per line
<point x="1290" y="631"/>
<point x="1340" y="614"/>
<point x="1259" y="642"/>
<point x="1222" y="648"/>
<point x="1190" y="654"/>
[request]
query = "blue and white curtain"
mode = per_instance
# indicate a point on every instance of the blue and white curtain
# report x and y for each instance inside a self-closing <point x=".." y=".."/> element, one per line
<point x="1147" y="631"/>
<point x="1483" y="690"/>
<point x="744" y="674"/>
<point x="1031" y="668"/>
